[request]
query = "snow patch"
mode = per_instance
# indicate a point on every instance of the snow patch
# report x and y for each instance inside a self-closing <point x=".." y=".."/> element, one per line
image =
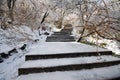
<point x="61" y="47"/>
<point x="112" y="45"/>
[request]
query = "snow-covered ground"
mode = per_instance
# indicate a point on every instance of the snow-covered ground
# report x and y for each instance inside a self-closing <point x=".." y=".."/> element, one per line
<point x="62" y="47"/>
<point x="9" y="68"/>
<point x="112" y="45"/>
<point x="15" y="38"/>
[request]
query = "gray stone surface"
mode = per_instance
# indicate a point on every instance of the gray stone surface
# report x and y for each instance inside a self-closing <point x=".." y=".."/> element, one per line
<point x="63" y="36"/>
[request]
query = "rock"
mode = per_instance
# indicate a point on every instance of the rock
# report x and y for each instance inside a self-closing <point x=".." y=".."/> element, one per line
<point x="1" y="60"/>
<point x="46" y="33"/>
<point x="23" y="47"/>
<point x="36" y="40"/>
<point x="4" y="55"/>
<point x="12" y="51"/>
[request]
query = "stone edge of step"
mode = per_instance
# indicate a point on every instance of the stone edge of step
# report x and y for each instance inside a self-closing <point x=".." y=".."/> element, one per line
<point x="67" y="67"/>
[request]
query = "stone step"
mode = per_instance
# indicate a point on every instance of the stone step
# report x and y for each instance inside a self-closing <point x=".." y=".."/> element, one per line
<point x="117" y="78"/>
<point x="62" y="33"/>
<point x="105" y="73"/>
<point x="59" y="40"/>
<point x="60" y="37"/>
<point x="66" y="55"/>
<point x="51" y="65"/>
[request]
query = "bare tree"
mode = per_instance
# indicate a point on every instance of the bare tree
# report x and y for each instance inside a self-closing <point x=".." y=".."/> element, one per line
<point x="1" y="7"/>
<point x="1" y="10"/>
<point x="10" y="5"/>
<point x="95" y="18"/>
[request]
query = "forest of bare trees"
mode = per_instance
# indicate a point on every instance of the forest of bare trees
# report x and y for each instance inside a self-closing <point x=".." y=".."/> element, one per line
<point x="99" y="17"/>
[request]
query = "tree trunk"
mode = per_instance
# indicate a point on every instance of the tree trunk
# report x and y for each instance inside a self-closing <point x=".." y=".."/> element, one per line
<point x="81" y="35"/>
<point x="11" y="4"/>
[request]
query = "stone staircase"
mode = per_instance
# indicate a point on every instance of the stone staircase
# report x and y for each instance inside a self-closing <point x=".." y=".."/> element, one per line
<point x="62" y="36"/>
<point x="71" y="61"/>
<point x="34" y="62"/>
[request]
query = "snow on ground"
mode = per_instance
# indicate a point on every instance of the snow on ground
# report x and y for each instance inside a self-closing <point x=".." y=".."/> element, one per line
<point x="61" y="47"/>
<point x="15" y="38"/>
<point x="92" y="74"/>
<point x="112" y="45"/>
<point x="8" y="69"/>
<point x="12" y="38"/>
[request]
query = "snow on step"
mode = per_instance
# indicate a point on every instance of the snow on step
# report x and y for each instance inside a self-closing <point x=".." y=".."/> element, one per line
<point x="67" y="61"/>
<point x="62" y="47"/>
<point x="105" y="73"/>
<point x="66" y="55"/>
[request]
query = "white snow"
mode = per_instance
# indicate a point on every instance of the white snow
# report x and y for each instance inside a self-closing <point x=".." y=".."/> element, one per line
<point x="15" y="38"/>
<point x="54" y="29"/>
<point x="92" y="74"/>
<point x="62" y="47"/>
<point x="67" y="61"/>
<point x="112" y="45"/>
<point x="8" y="69"/>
